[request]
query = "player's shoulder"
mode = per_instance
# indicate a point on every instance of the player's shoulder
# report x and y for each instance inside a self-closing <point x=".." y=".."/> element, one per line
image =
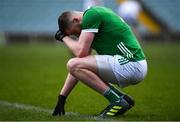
<point x="90" y="10"/>
<point x="95" y="9"/>
<point x="91" y="13"/>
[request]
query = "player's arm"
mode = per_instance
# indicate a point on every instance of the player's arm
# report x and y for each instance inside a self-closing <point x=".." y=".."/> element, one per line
<point x="82" y="47"/>
<point x="69" y="84"/>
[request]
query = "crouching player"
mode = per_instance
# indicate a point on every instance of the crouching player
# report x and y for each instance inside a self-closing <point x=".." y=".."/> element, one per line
<point x="120" y="58"/>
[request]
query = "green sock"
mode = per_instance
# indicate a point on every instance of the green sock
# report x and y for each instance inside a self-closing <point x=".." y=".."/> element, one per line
<point x="117" y="91"/>
<point x="111" y="95"/>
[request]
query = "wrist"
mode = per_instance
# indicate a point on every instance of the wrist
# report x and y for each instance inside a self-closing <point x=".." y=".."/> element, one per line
<point x="62" y="98"/>
<point x="66" y="39"/>
<point x="62" y="37"/>
<point x="59" y="36"/>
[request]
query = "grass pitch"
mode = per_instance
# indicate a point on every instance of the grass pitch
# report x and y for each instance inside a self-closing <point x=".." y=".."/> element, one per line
<point x="32" y="75"/>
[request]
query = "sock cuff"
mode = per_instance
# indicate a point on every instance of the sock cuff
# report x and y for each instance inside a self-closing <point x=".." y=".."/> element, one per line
<point x="111" y="95"/>
<point x="107" y="92"/>
<point x="110" y="91"/>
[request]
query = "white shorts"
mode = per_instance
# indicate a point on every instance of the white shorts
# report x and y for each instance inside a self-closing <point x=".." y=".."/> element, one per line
<point x="111" y="71"/>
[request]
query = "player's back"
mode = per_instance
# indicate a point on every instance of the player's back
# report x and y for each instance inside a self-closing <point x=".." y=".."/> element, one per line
<point x="110" y="20"/>
<point x="111" y="32"/>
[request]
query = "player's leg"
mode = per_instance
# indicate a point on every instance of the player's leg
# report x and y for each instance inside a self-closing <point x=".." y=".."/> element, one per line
<point x="124" y="74"/>
<point x="128" y="98"/>
<point x="106" y="70"/>
<point x="85" y="69"/>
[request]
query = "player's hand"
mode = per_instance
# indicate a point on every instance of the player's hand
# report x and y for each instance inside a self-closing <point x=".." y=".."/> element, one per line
<point x="59" y="109"/>
<point x="59" y="36"/>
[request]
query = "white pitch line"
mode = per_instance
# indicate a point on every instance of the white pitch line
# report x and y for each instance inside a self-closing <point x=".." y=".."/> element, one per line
<point x="49" y="111"/>
<point x="24" y="107"/>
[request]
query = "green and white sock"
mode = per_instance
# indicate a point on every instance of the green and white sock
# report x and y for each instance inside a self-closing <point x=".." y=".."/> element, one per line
<point x="120" y="93"/>
<point x="111" y="95"/>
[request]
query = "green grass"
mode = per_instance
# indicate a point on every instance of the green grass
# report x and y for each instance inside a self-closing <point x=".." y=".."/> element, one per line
<point x="34" y="74"/>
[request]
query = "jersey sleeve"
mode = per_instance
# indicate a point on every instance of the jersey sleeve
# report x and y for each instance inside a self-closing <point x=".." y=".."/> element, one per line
<point x="91" y="21"/>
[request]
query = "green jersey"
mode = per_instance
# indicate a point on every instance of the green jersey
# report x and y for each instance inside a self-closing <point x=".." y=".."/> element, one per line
<point x="112" y="35"/>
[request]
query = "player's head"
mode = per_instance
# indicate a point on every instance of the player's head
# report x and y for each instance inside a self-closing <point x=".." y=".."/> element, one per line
<point x="70" y="22"/>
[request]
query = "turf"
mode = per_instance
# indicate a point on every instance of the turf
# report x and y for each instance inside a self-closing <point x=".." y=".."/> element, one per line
<point x="34" y="74"/>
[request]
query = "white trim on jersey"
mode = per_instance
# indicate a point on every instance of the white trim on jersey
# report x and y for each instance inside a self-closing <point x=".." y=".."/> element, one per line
<point x="90" y="30"/>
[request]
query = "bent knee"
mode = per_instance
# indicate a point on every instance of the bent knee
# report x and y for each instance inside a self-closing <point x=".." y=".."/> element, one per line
<point x="72" y="64"/>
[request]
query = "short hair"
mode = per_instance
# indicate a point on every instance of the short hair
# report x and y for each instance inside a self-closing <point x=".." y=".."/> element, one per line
<point x="64" y="20"/>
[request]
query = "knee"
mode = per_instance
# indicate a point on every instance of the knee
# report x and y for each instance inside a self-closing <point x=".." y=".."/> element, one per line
<point x="72" y="64"/>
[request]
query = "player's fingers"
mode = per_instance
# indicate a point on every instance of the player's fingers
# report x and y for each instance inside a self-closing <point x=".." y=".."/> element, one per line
<point x="54" y="113"/>
<point x="63" y="112"/>
<point x="59" y="113"/>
